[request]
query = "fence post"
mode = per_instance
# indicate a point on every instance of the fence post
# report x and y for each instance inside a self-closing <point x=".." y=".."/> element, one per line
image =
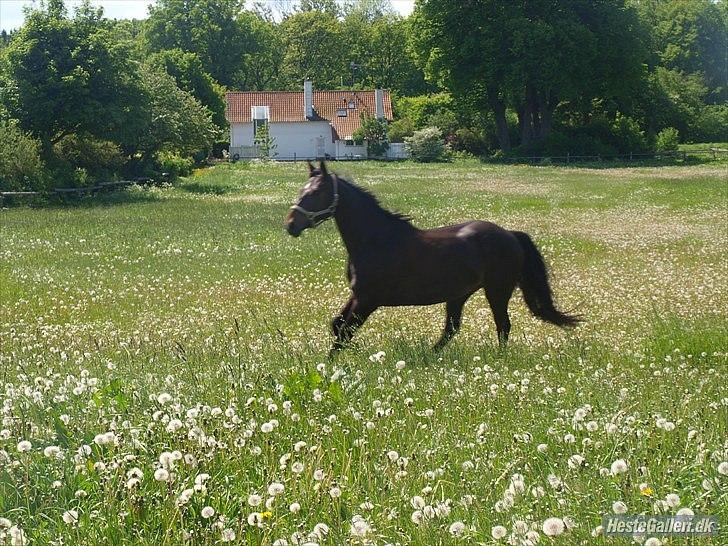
<point x="294" y="157"/>
<point x="630" y="156"/>
<point x="567" y="157"/>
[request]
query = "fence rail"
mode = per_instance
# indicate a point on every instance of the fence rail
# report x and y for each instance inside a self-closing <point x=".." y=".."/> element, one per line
<point x="108" y="186"/>
<point x="575" y="158"/>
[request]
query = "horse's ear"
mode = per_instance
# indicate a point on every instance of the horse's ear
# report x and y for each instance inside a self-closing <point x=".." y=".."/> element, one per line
<point x="322" y="168"/>
<point x="311" y="168"/>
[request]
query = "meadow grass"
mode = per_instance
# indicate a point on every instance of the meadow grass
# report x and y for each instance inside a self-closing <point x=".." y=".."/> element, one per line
<point x="165" y="381"/>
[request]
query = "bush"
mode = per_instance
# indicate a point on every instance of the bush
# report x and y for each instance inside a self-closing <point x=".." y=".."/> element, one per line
<point x="174" y="164"/>
<point x="426" y="145"/>
<point x="667" y="140"/>
<point x="375" y="132"/>
<point x="100" y="159"/>
<point x="712" y="124"/>
<point x="419" y="109"/>
<point x="470" y="141"/>
<point x="627" y="136"/>
<point x="21" y="168"/>
<point x="400" y="129"/>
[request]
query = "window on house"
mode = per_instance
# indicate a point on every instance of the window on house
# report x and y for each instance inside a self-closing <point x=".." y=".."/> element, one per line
<point x="260" y="116"/>
<point x="342" y="113"/>
<point x="352" y="105"/>
<point x="348" y="143"/>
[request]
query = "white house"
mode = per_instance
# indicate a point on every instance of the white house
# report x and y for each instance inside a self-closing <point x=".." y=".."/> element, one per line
<point x="304" y="125"/>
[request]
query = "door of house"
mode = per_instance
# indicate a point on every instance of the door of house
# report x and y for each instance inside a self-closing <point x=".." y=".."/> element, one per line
<point x="320" y="147"/>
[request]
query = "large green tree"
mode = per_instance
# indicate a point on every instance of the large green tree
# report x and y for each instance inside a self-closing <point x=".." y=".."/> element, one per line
<point x="314" y="48"/>
<point x="209" y="28"/>
<point x="66" y="76"/>
<point x="529" y="56"/>
<point x="187" y="70"/>
<point x="690" y="37"/>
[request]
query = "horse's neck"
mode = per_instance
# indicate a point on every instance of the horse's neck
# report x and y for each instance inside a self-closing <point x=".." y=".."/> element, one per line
<point x="360" y="222"/>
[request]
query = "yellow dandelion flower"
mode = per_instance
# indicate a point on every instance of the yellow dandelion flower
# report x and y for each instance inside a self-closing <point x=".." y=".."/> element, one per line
<point x="265" y="515"/>
<point x="646" y="492"/>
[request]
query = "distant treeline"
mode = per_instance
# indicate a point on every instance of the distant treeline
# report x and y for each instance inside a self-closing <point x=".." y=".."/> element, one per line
<point x="83" y="98"/>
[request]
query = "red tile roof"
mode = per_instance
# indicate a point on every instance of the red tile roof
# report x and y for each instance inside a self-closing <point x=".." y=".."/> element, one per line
<point x="288" y="106"/>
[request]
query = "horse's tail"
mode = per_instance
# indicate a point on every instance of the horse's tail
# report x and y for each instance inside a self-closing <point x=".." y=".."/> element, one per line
<point x="535" y="286"/>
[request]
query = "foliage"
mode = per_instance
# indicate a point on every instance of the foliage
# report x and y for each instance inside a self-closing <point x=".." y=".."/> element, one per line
<point x="21" y="166"/>
<point x="173" y="119"/>
<point x="529" y="57"/>
<point x="668" y="140"/>
<point x="99" y="158"/>
<point x="314" y="49"/>
<point x="426" y="145"/>
<point x="189" y="73"/>
<point x="374" y="132"/>
<point x="174" y="164"/>
<point x="399" y="129"/>
<point x="420" y="108"/>
<point x="265" y="142"/>
<point x="209" y="28"/>
<point x="66" y="76"/>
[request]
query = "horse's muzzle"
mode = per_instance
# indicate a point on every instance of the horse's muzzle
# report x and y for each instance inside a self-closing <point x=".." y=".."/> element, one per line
<point x="293" y="230"/>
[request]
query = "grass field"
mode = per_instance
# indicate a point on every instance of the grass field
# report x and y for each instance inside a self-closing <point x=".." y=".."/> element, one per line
<point x="163" y="356"/>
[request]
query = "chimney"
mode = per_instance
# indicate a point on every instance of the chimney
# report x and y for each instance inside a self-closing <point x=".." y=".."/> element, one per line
<point x="379" y="103"/>
<point x="308" y="99"/>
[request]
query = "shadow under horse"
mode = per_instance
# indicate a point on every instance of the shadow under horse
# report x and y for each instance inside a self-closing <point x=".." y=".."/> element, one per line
<point x="393" y="263"/>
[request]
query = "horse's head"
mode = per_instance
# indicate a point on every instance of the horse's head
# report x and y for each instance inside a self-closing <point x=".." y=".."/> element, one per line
<point x="317" y="201"/>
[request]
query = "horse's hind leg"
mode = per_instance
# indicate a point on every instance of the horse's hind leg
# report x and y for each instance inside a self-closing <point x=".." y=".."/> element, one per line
<point x="454" y="310"/>
<point x="498" y="297"/>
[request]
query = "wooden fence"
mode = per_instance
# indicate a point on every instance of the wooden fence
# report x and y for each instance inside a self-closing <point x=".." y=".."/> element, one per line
<point x="103" y="186"/>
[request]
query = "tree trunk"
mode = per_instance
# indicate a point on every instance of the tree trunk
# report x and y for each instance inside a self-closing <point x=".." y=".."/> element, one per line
<point x="501" y="123"/>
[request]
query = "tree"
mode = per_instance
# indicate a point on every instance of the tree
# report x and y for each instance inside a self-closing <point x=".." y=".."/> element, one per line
<point x="170" y="119"/>
<point x="208" y="28"/>
<point x="187" y="70"/>
<point x="66" y="76"/>
<point x="260" y="66"/>
<point x="528" y="56"/>
<point x="690" y="36"/>
<point x="373" y="131"/>
<point x="314" y="47"/>
<point x="322" y="6"/>
<point x="21" y="167"/>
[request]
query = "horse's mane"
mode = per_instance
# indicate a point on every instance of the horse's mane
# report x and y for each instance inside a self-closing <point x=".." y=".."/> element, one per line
<point x="370" y="200"/>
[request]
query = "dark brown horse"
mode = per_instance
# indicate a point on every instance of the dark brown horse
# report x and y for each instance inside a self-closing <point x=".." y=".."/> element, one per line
<point x="392" y="263"/>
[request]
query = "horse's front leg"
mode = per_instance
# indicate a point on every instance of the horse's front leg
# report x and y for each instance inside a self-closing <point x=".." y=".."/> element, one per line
<point x="352" y="315"/>
<point x="339" y="320"/>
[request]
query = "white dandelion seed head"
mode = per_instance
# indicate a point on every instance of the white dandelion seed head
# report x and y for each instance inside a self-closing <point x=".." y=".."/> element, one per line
<point x="619" y="466"/>
<point x="161" y="475"/>
<point x="254" y="499"/>
<point x="70" y="517"/>
<point x="275" y="489"/>
<point x="672" y="500"/>
<point x="294" y="508"/>
<point x="24" y="446"/>
<point x="553" y="527"/>
<point x="207" y="512"/>
<point x="723" y="468"/>
<point x="619" y="507"/>
<point x="498" y="532"/>
<point x="457" y="528"/>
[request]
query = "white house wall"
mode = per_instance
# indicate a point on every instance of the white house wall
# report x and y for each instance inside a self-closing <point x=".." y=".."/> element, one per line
<point x="294" y="140"/>
<point x="298" y="139"/>
<point x="350" y="152"/>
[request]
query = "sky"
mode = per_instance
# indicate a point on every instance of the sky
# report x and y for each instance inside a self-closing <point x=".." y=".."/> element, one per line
<point x="11" y="11"/>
